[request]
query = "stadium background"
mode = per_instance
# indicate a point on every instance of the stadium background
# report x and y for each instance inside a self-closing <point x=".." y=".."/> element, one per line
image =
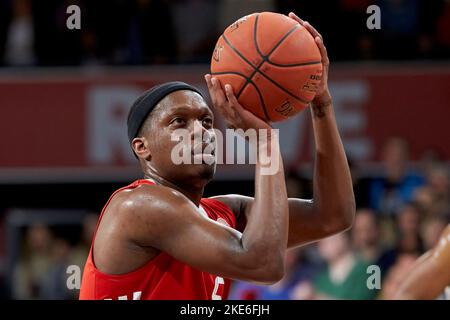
<point x="64" y="96"/>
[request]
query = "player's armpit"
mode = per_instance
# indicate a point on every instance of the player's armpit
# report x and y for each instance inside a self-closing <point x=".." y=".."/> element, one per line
<point x="239" y="205"/>
<point x="166" y="220"/>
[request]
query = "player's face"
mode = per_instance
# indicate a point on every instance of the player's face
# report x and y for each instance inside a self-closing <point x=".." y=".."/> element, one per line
<point x="183" y="113"/>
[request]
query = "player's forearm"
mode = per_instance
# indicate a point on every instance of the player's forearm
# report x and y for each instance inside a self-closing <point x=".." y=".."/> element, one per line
<point x="334" y="199"/>
<point x="265" y="236"/>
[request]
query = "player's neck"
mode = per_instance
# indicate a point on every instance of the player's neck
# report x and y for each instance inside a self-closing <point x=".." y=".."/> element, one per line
<point x="191" y="191"/>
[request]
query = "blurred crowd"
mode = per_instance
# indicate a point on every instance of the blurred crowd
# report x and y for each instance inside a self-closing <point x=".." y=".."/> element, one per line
<point x="136" y="32"/>
<point x="401" y="213"/>
<point x="41" y="271"/>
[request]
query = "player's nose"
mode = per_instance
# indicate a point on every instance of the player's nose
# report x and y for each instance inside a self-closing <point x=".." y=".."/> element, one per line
<point x="199" y="132"/>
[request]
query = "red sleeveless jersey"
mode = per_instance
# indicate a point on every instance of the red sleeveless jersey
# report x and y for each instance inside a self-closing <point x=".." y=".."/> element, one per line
<point x="163" y="277"/>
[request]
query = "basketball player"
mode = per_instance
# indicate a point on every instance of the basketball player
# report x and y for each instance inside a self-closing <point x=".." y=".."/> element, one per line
<point x="159" y="239"/>
<point x="430" y="276"/>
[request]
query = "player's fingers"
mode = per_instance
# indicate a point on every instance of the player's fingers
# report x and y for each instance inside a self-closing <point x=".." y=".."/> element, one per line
<point x="222" y="103"/>
<point x="323" y="50"/>
<point x="295" y="17"/>
<point x="237" y="107"/>
<point x="312" y="30"/>
<point x="217" y="91"/>
<point x="231" y="97"/>
<point x="208" y="81"/>
<point x="232" y="102"/>
<point x="223" y="110"/>
<point x="210" y="88"/>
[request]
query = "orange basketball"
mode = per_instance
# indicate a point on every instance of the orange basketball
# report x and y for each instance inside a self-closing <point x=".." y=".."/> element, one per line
<point x="272" y="63"/>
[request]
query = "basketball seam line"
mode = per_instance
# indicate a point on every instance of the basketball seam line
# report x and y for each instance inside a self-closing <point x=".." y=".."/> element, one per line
<point x="248" y="80"/>
<point x="245" y="84"/>
<point x="265" y="57"/>
<point x="265" y="76"/>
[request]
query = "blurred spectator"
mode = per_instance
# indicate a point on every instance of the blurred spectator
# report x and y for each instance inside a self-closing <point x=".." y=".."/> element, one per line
<point x="345" y="275"/>
<point x="429" y="159"/>
<point x="19" y="50"/>
<point x="328" y="22"/>
<point x="428" y="17"/>
<point x="151" y="34"/>
<point x="89" y="43"/>
<point x="104" y="33"/>
<point x="41" y="270"/>
<point x="397" y="183"/>
<point x="434" y="197"/>
<point x="298" y="274"/>
<point x="408" y="221"/>
<point x="366" y="235"/>
<point x="5" y="18"/>
<point x="400" y="24"/>
<point x="396" y="274"/>
<point x="55" y="44"/>
<point x="54" y="281"/>
<point x="196" y="29"/>
<point x="358" y="43"/>
<point x="81" y="250"/>
<point x="167" y="31"/>
<point x="360" y="184"/>
<point x="298" y="186"/>
<point x="443" y="27"/>
<point x="431" y="229"/>
<point x="232" y="10"/>
<point x="33" y="264"/>
<point x="408" y="240"/>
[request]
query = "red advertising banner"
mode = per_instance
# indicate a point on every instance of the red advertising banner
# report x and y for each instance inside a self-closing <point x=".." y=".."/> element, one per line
<point x="64" y="121"/>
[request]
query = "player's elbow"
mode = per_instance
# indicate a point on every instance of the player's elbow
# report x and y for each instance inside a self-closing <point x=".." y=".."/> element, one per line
<point x="342" y="219"/>
<point x="275" y="274"/>
<point x="348" y="213"/>
<point x="268" y="276"/>
<point x="270" y="270"/>
<point x="263" y="263"/>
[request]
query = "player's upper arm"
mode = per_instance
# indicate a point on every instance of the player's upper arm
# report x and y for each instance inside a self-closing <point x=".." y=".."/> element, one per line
<point x="166" y="220"/>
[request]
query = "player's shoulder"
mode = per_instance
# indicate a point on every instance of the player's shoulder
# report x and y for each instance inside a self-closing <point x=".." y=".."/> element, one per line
<point x="148" y="199"/>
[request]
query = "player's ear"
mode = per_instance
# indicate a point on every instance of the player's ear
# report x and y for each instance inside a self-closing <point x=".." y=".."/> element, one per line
<point x="141" y="148"/>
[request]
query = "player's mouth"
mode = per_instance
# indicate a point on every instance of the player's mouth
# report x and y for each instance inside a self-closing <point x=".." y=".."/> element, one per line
<point x="205" y="152"/>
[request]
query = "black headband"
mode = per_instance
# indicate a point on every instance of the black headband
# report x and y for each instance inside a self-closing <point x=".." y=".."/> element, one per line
<point x="142" y="107"/>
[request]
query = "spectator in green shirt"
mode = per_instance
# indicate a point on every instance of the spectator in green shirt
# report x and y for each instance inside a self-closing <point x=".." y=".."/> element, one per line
<point x="345" y="275"/>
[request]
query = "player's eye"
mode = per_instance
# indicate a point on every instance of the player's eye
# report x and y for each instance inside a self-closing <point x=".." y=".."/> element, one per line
<point x="178" y="121"/>
<point x="207" y="122"/>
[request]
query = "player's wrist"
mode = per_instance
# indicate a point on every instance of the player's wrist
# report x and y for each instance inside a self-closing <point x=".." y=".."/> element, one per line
<point x="323" y="100"/>
<point x="321" y="105"/>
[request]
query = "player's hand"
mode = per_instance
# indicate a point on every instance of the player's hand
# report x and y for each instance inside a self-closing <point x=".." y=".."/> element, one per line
<point x="227" y="104"/>
<point x="323" y="94"/>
